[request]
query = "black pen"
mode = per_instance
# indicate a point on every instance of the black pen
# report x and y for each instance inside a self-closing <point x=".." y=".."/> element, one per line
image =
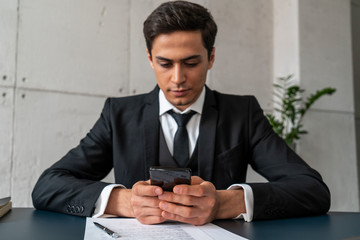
<point x="108" y="231"/>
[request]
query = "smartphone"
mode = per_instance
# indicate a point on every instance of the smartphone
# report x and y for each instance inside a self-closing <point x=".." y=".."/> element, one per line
<point x="168" y="177"/>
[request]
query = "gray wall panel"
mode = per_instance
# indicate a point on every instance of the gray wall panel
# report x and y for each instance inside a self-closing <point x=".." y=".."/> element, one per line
<point x="74" y="46"/>
<point x="243" y="57"/>
<point x="6" y="137"/>
<point x="326" y="60"/>
<point x="47" y="126"/>
<point x="355" y="15"/>
<point x="141" y="74"/>
<point x="329" y="148"/>
<point x="8" y="30"/>
<point x="325" y="51"/>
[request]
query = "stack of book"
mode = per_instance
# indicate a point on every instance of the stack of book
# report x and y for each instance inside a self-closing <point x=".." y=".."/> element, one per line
<point x="5" y="206"/>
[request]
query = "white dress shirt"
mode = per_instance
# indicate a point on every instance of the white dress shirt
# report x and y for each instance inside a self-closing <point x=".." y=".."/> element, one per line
<point x="169" y="128"/>
<point x="169" y="125"/>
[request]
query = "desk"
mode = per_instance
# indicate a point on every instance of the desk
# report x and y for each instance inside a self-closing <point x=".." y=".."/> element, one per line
<point x="29" y="224"/>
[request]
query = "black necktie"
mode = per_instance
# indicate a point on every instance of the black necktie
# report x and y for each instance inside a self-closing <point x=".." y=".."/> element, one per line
<point x="181" y="139"/>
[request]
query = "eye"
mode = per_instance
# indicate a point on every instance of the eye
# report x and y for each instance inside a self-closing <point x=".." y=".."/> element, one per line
<point x="191" y="64"/>
<point x="165" y="64"/>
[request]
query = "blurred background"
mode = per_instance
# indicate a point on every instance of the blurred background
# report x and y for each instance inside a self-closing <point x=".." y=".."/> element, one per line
<point x="60" y="60"/>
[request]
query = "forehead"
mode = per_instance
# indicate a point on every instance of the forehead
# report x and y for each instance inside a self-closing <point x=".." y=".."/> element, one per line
<point x="179" y="43"/>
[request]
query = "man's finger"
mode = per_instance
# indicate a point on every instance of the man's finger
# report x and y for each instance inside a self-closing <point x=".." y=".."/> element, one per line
<point x="195" y="180"/>
<point x="204" y="189"/>
<point x="182" y="211"/>
<point x="178" y="199"/>
<point x="147" y="211"/>
<point x="143" y="188"/>
<point x="151" y="219"/>
<point x="144" y="201"/>
<point x="194" y="221"/>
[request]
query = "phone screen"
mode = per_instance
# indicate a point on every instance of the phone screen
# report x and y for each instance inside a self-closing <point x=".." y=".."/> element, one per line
<point x="169" y="177"/>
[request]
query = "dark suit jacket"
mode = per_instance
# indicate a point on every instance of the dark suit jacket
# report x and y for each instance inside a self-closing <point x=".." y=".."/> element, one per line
<point x="233" y="133"/>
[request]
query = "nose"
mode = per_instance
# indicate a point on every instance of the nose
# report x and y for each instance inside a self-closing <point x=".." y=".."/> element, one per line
<point x="178" y="75"/>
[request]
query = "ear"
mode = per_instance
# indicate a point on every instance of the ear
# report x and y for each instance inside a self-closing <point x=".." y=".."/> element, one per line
<point x="212" y="58"/>
<point x="150" y="59"/>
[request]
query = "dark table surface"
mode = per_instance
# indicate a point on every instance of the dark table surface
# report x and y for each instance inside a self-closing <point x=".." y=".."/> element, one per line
<point x="29" y="224"/>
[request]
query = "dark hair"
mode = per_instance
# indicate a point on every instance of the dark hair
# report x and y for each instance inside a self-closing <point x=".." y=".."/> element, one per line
<point x="180" y="16"/>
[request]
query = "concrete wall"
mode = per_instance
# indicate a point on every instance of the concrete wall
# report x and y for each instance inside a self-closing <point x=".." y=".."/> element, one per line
<point x="355" y="17"/>
<point x="8" y="34"/>
<point x="59" y="60"/>
<point x="326" y="60"/>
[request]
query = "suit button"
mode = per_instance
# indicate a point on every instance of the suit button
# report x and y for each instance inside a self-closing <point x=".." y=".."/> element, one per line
<point x="68" y="208"/>
<point x="73" y="209"/>
<point x="82" y="209"/>
<point x="78" y="209"/>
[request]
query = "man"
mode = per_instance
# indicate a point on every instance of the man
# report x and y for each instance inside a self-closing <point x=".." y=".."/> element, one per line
<point x="225" y="134"/>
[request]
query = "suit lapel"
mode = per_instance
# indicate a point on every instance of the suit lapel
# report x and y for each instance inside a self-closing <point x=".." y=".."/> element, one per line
<point x="207" y="136"/>
<point x="151" y="130"/>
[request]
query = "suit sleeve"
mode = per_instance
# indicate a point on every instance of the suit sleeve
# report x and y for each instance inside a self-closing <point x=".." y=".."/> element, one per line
<point x="72" y="185"/>
<point x="294" y="188"/>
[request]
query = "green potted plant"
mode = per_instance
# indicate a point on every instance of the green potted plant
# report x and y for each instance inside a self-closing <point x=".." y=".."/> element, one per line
<point x="290" y="109"/>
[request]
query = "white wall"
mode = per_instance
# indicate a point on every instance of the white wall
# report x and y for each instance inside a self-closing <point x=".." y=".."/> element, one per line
<point x="61" y="60"/>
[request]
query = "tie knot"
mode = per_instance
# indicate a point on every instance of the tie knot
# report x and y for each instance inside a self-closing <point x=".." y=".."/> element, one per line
<point x="181" y="119"/>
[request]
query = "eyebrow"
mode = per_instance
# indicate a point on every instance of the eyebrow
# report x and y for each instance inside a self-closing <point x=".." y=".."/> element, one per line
<point x="184" y="59"/>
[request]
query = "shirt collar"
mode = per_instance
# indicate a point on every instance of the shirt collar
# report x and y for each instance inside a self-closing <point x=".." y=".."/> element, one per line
<point x="165" y="105"/>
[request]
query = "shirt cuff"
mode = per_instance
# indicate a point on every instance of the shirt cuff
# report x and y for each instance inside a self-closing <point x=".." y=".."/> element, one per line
<point x="103" y="199"/>
<point x="249" y="201"/>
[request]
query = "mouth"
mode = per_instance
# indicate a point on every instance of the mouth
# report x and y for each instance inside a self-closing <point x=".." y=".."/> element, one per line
<point x="180" y="92"/>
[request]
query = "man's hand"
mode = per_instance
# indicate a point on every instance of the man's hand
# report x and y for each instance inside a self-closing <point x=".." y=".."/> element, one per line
<point x="200" y="203"/>
<point x="196" y="204"/>
<point x="141" y="202"/>
<point x="145" y="203"/>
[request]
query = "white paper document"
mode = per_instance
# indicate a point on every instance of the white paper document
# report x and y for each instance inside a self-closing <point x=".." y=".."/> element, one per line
<point x="130" y="228"/>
